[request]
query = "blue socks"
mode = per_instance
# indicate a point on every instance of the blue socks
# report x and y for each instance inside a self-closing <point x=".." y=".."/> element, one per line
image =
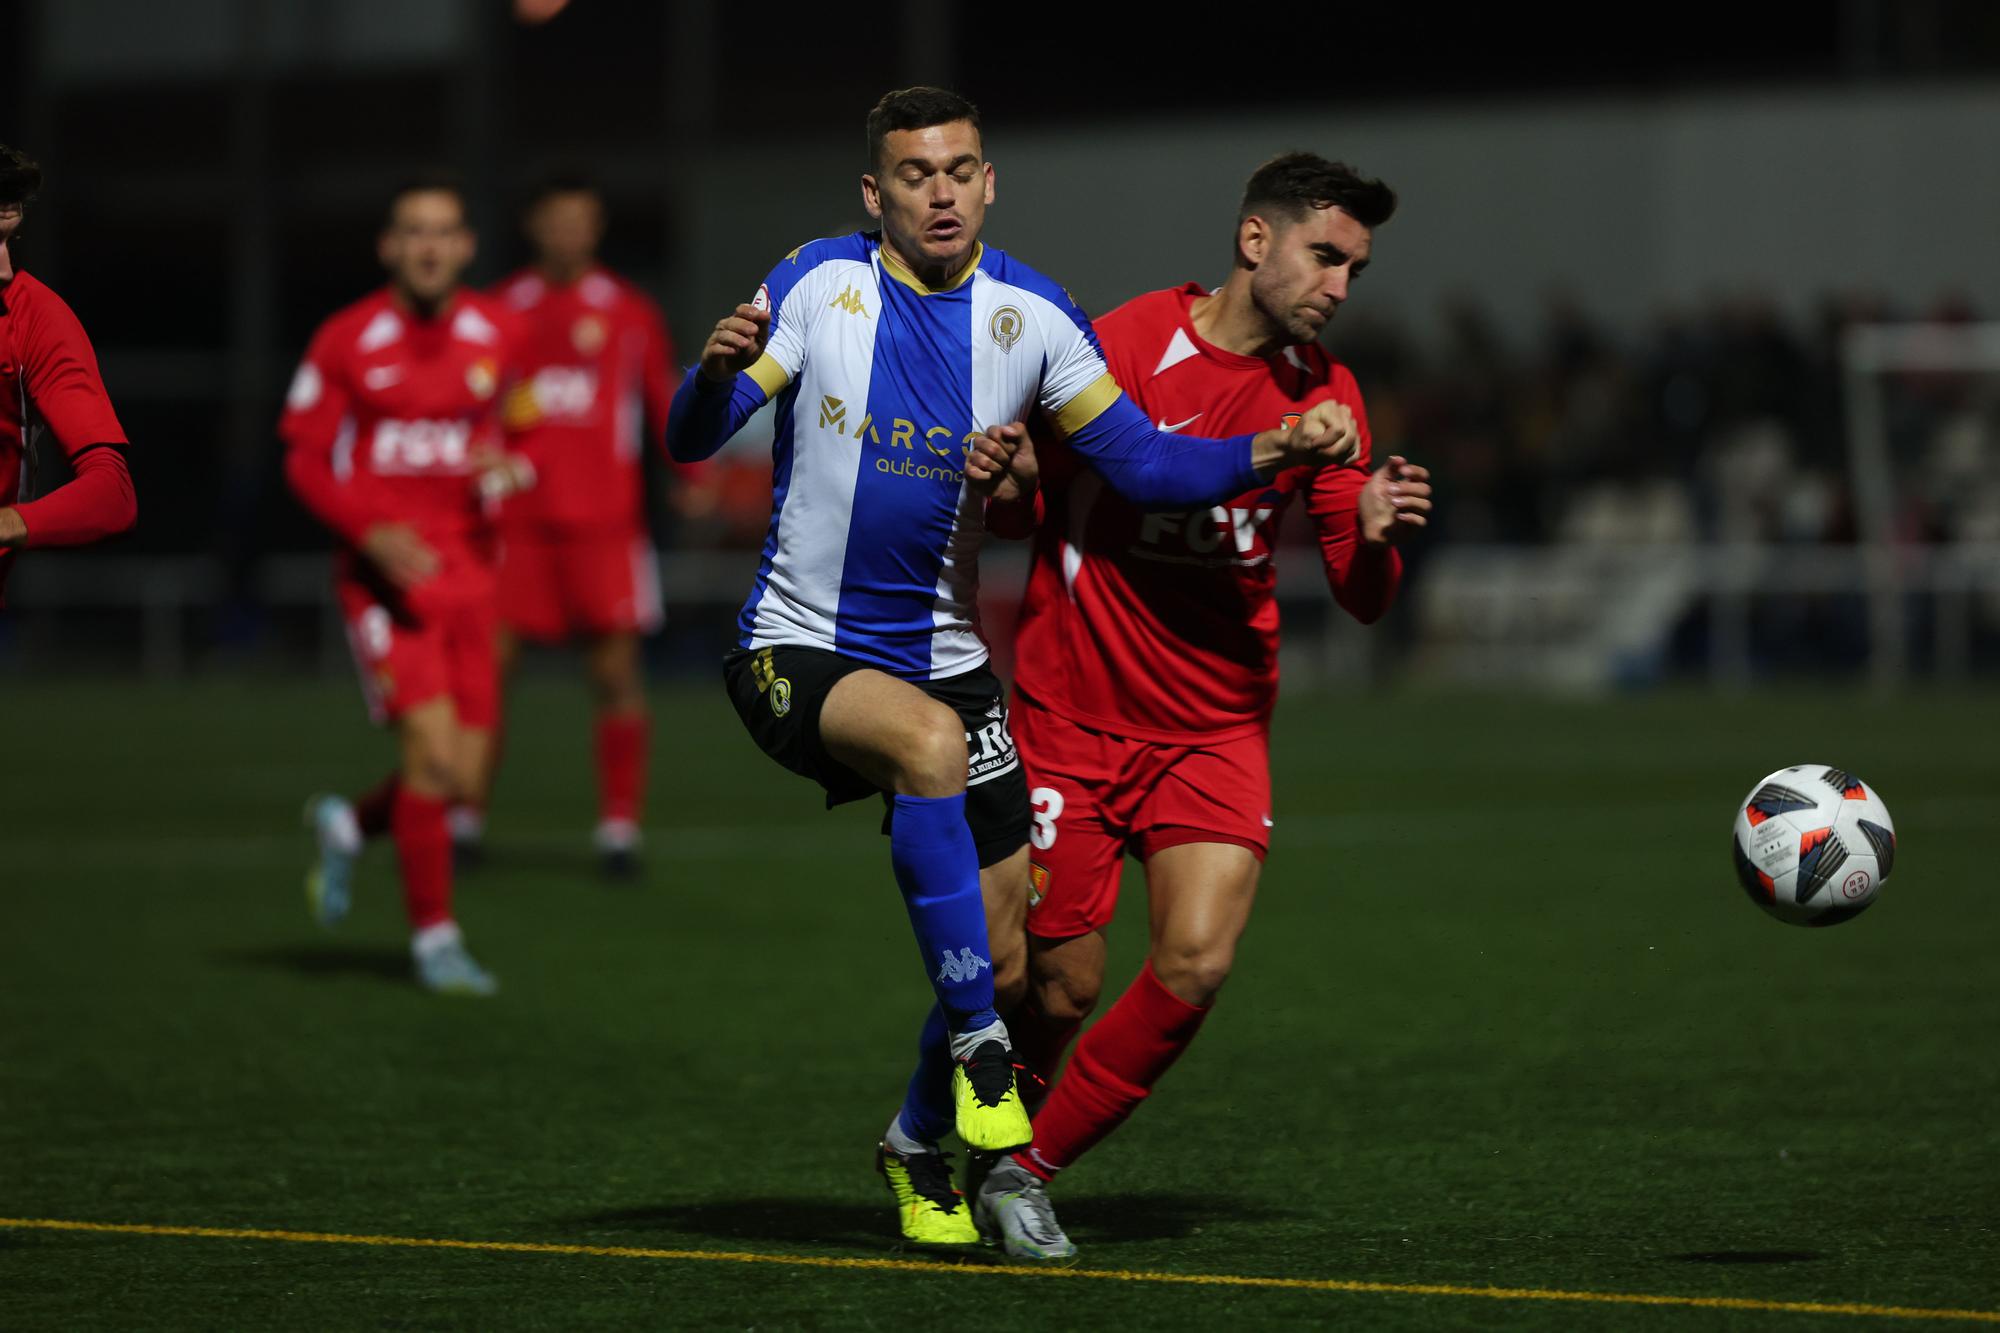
<point x="928" y="1114"/>
<point x="937" y="867"/>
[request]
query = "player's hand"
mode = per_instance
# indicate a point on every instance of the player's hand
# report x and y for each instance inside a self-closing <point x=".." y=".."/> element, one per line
<point x="13" y="530"/>
<point x="1395" y="502"/>
<point x="404" y="558"/>
<point x="990" y="458"/>
<point x="1325" y="435"/>
<point x="735" y="345"/>
<point x="499" y="474"/>
<point x="1023" y="475"/>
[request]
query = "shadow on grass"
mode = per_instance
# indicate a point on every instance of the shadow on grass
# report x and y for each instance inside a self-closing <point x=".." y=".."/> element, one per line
<point x="1747" y="1257"/>
<point x="1108" y="1217"/>
<point x="324" y="960"/>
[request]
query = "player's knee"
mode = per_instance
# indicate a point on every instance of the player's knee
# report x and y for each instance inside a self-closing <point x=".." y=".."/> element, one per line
<point x="933" y="754"/>
<point x="1196" y="973"/>
<point x="1066" y="998"/>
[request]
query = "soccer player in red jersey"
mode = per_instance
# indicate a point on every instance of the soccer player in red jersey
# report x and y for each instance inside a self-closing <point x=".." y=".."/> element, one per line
<point x="394" y="443"/>
<point x="48" y="378"/>
<point x="575" y="560"/>
<point x="1147" y="647"/>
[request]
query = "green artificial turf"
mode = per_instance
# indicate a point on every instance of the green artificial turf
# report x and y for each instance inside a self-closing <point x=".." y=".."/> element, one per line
<point x="1502" y="1019"/>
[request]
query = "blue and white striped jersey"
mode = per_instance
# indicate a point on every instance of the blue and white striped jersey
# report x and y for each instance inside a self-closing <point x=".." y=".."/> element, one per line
<point x="880" y="383"/>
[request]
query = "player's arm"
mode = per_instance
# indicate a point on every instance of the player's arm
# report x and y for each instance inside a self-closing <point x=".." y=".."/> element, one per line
<point x="1360" y="516"/>
<point x="751" y="354"/>
<point x="1150" y="467"/>
<point x="317" y="408"/>
<point x="59" y="370"/>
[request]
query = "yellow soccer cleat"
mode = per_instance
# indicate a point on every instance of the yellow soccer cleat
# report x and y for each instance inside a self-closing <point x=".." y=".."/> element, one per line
<point x="929" y="1207"/>
<point x="989" y="1111"/>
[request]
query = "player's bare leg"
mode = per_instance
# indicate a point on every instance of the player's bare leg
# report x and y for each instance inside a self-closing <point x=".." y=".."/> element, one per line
<point x="618" y="689"/>
<point x="1200" y="895"/>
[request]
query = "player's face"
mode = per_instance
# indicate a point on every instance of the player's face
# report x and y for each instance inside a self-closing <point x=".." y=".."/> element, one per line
<point x="566" y="228"/>
<point x="1307" y="269"/>
<point x="426" y="245"/>
<point x="931" y="195"/>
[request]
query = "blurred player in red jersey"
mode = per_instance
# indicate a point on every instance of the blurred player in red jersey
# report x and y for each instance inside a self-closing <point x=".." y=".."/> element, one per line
<point x="394" y="442"/>
<point x="575" y="560"/>
<point x="48" y="378"/>
<point x="1147" y="648"/>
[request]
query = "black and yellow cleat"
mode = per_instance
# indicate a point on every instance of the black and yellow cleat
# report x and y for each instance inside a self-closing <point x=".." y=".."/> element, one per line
<point x="988" y="1104"/>
<point x="929" y="1208"/>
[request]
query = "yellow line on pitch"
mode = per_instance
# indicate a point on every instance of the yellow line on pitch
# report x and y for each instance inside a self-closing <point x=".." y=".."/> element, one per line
<point x="995" y="1270"/>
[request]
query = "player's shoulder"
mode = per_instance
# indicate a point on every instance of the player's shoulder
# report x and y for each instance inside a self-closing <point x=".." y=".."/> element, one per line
<point x="33" y="304"/>
<point x="1041" y="291"/>
<point x="816" y="260"/>
<point x="361" y="325"/>
<point x="1156" y="314"/>
<point x="484" y="320"/>
<point x="523" y="290"/>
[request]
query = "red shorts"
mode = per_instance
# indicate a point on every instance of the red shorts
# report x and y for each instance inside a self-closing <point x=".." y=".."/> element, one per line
<point x="559" y="583"/>
<point x="1095" y="796"/>
<point x="436" y="641"/>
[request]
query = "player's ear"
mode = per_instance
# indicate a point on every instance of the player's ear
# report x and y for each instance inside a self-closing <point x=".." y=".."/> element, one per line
<point x="987" y="167"/>
<point x="1253" y="241"/>
<point x="871" y="196"/>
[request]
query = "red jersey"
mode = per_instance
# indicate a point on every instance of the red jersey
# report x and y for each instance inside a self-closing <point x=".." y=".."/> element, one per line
<point x="387" y="412"/>
<point x="1163" y="626"/>
<point x="49" y="378"/>
<point x="594" y="360"/>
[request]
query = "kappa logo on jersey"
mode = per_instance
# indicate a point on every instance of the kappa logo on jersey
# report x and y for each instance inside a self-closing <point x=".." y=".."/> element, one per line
<point x="850" y="301"/>
<point x="588" y="335"/>
<point x="1007" y="326"/>
<point x="962" y="968"/>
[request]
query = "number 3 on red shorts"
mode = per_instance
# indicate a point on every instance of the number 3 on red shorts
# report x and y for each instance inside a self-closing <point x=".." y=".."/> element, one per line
<point x="1048" y="806"/>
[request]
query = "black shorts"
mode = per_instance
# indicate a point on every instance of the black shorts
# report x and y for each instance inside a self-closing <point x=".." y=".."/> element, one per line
<point x="779" y="692"/>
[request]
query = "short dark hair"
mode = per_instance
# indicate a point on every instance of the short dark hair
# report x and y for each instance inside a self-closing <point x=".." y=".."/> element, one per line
<point x="914" y="109"/>
<point x="1292" y="183"/>
<point x="436" y="182"/>
<point x="563" y="182"/>
<point x="20" y="176"/>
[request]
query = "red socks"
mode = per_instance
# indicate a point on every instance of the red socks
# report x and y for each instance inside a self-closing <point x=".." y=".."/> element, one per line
<point x="423" y="849"/>
<point x="1114" y="1068"/>
<point x="622" y="741"/>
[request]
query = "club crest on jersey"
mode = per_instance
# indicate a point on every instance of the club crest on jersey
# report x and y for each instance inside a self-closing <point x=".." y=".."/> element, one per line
<point x="483" y="378"/>
<point x="1289" y="420"/>
<point x="1006" y="327"/>
<point x="587" y="335"/>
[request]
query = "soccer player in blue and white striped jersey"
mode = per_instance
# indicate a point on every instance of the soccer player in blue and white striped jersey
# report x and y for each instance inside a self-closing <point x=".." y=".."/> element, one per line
<point x="902" y="364"/>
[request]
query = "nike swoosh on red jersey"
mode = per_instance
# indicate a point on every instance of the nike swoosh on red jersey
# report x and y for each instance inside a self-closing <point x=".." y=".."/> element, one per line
<point x="1178" y="424"/>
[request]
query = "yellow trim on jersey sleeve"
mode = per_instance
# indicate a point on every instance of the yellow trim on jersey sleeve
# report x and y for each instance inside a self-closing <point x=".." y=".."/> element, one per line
<point x="895" y="269"/>
<point x="770" y="376"/>
<point x="1089" y="405"/>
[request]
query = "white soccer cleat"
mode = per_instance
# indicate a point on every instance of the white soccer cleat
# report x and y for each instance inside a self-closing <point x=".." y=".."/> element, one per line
<point x="330" y="882"/>
<point x="1012" y="1210"/>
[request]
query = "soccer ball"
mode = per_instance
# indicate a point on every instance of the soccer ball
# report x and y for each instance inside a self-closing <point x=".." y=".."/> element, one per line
<point x="1813" y="845"/>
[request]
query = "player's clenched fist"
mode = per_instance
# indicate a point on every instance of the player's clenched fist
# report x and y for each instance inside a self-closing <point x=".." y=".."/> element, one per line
<point x="736" y="343"/>
<point x="1325" y="435"/>
<point x="1395" y="502"/>
<point x="993" y="458"/>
